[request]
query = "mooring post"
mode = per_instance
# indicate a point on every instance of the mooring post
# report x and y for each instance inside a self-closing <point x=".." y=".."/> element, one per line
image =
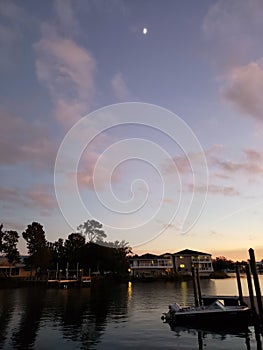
<point x="239" y="285"/>
<point x="256" y="283"/>
<point x="250" y="289"/>
<point x="195" y="287"/>
<point x="199" y="287"/>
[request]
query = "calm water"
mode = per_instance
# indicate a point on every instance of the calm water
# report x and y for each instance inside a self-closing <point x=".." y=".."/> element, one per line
<point x="126" y="316"/>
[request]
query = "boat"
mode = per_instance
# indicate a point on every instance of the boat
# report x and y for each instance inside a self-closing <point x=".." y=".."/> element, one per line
<point x="217" y="314"/>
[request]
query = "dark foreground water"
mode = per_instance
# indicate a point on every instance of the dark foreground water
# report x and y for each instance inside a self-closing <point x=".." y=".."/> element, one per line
<point x="126" y="316"/>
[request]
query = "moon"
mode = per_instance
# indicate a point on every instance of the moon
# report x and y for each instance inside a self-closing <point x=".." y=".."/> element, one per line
<point x="144" y="31"/>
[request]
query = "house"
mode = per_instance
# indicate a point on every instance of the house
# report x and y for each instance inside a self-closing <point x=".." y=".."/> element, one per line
<point x="151" y="266"/>
<point x="14" y="270"/>
<point x="184" y="260"/>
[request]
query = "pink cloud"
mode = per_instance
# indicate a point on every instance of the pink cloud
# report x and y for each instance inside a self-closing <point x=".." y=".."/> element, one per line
<point x="253" y="155"/>
<point x="233" y="29"/>
<point x="10" y="10"/>
<point x="87" y="177"/>
<point x="244" y="89"/>
<point x="67" y="70"/>
<point x="168" y="200"/>
<point x="8" y="194"/>
<point x="23" y="141"/>
<point x="40" y="197"/>
<point x="215" y="189"/>
<point x="43" y="197"/>
<point x="250" y="163"/>
<point x="120" y="88"/>
<point x="182" y="164"/>
<point x="66" y="20"/>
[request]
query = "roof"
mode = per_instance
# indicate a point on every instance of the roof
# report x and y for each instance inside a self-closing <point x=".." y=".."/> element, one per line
<point x="190" y="252"/>
<point x="145" y="256"/>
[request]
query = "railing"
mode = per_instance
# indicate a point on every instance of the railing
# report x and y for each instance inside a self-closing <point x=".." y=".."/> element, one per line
<point x="201" y="260"/>
<point x="151" y="266"/>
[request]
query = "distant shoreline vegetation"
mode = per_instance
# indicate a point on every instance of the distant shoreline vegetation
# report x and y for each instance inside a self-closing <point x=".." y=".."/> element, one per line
<point x="84" y="250"/>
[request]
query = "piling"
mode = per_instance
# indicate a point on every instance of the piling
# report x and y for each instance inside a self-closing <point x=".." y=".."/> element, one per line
<point x="256" y="283"/>
<point x="195" y="287"/>
<point x="239" y="285"/>
<point x="199" y="287"/>
<point x="250" y="290"/>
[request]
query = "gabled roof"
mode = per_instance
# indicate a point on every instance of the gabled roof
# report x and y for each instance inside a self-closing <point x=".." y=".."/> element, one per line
<point x="190" y="252"/>
<point x="145" y="256"/>
<point x="165" y="256"/>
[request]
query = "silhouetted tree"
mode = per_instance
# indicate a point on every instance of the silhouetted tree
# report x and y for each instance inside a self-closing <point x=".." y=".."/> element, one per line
<point x="39" y="253"/>
<point x="93" y="231"/>
<point x="221" y="263"/>
<point x="1" y="238"/>
<point x="10" y="240"/>
<point x="58" y="254"/>
<point x="72" y="247"/>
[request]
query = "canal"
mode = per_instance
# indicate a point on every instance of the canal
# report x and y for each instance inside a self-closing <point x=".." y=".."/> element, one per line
<point x="109" y="316"/>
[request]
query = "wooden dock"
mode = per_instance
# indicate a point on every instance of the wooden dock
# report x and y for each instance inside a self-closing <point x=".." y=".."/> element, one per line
<point x="85" y="281"/>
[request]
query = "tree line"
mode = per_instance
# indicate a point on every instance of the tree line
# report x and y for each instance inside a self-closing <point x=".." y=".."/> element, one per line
<point x="222" y="263"/>
<point x="86" y="248"/>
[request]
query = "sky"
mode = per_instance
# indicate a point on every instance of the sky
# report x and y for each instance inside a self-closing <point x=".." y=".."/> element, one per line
<point x="157" y="134"/>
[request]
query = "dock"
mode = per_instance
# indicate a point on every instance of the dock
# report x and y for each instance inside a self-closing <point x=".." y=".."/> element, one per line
<point x="85" y="281"/>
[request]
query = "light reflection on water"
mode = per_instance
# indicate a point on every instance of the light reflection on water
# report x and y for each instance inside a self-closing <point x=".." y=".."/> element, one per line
<point x="109" y="316"/>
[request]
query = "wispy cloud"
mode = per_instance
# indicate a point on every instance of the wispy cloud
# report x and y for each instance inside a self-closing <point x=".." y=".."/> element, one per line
<point x="14" y="20"/>
<point x="244" y="89"/>
<point x="65" y="68"/>
<point x="24" y="142"/>
<point x="250" y="164"/>
<point x="40" y="197"/>
<point x="233" y="29"/>
<point x="120" y="88"/>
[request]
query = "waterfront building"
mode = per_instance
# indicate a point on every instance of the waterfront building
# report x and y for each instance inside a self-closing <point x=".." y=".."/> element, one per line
<point x="181" y="263"/>
<point x="184" y="260"/>
<point x="18" y="269"/>
<point x="151" y="266"/>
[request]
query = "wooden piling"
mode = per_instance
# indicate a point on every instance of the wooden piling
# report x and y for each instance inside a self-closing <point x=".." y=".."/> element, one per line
<point x="239" y="285"/>
<point x="199" y="287"/>
<point x="195" y="287"/>
<point x="250" y="290"/>
<point x="256" y="283"/>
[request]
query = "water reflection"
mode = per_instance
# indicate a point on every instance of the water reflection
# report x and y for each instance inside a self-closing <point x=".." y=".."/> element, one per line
<point x="6" y="312"/>
<point x="108" y="316"/>
<point x="82" y="314"/>
<point x="202" y="335"/>
<point x="24" y="335"/>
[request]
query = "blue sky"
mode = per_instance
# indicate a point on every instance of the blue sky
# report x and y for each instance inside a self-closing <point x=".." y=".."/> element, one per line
<point x="203" y="61"/>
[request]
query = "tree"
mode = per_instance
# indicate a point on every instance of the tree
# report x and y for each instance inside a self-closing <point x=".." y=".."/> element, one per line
<point x="39" y="254"/>
<point x="58" y="253"/>
<point x="93" y="231"/>
<point x="10" y="240"/>
<point x="222" y="263"/>
<point x="1" y="238"/>
<point x="73" y="245"/>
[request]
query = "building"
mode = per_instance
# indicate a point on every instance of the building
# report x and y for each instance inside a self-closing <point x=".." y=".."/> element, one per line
<point x="151" y="266"/>
<point x="184" y="260"/>
<point x="13" y="270"/>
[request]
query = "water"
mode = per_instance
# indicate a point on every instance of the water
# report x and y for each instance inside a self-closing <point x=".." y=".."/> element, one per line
<point x="126" y="316"/>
